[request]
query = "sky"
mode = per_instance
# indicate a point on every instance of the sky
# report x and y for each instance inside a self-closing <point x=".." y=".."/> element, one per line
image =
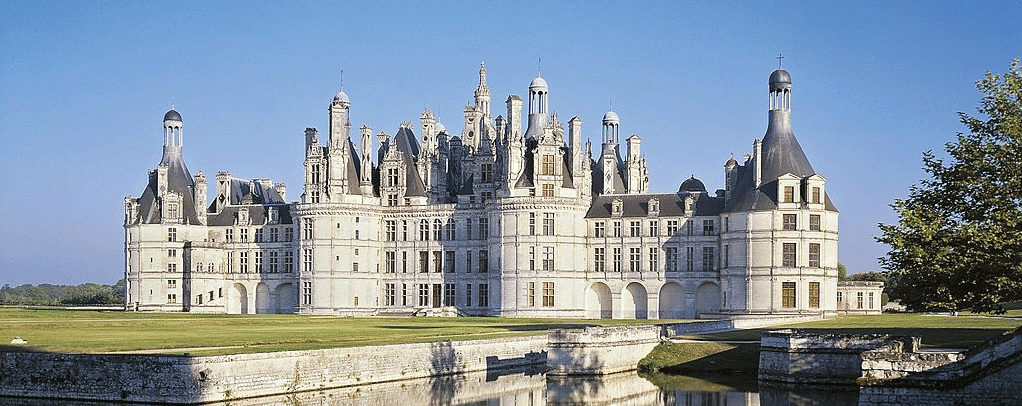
<point x="84" y="86"/>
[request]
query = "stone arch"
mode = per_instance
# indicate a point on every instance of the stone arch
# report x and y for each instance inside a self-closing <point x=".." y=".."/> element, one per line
<point x="672" y="300"/>
<point x="633" y="301"/>
<point x="707" y="298"/>
<point x="237" y="299"/>
<point x="598" y="302"/>
<point x="285" y="298"/>
<point x="263" y="304"/>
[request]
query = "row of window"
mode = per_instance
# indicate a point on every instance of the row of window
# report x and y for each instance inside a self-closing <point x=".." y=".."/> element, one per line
<point x="548" y="294"/>
<point x="435" y="295"/>
<point x="789" y="254"/>
<point x="272" y="265"/>
<point x="788" y="295"/>
<point x="172" y="297"/>
<point x="442" y="261"/>
<point x="440" y="231"/>
<point x="671" y="264"/>
<point x="859" y="296"/>
<point x="635" y="228"/>
<point x="815" y="195"/>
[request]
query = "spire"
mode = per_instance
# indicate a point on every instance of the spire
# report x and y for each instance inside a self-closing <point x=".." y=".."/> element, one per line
<point x="781" y="151"/>
<point x="482" y="74"/>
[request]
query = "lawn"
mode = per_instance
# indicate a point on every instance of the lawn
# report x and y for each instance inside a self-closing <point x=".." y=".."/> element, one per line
<point x="68" y="331"/>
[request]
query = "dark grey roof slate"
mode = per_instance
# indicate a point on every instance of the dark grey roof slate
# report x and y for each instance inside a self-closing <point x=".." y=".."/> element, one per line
<point x="781" y="152"/>
<point x="257" y="214"/>
<point x="179" y="181"/>
<point x="671" y="205"/>
<point x="406" y="143"/>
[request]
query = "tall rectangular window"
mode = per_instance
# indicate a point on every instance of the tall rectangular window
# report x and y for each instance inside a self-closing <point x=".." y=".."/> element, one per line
<point x="243" y="260"/>
<point x="814" y="222"/>
<point x="484" y="228"/>
<point x="404" y="294"/>
<point x="244" y="235"/>
<point x="423" y="261"/>
<point x="259" y="261"/>
<point x="484" y="261"/>
<point x="289" y="261"/>
<point x="307" y="259"/>
<point x="599" y="230"/>
<point x="788" y="254"/>
<point x="814" y="255"/>
<point x="689" y="259"/>
<point x="858" y="304"/>
<point x="617" y="259"/>
<point x="449" y="230"/>
<point x="816" y="195"/>
<point x="389" y="262"/>
<point x="654" y="258"/>
<point x="726" y="256"/>
<point x="449" y="294"/>
<point x="814" y="295"/>
<point x="486" y="172"/>
<point x="484" y="295"/>
<point x="790" y="221"/>
<point x="671" y="254"/>
<point x="404" y="261"/>
<point x="307" y="229"/>
<point x="548" y="294"/>
<point x="468" y="294"/>
<point x="870" y="300"/>
<point x="548" y="165"/>
<point x="548" y="223"/>
<point x="438" y="230"/>
<point x="634" y="228"/>
<point x="173" y="267"/>
<point x="289" y="234"/>
<point x="391" y="230"/>
<point x="532" y="258"/>
<point x="423" y="294"/>
<point x="617" y="229"/>
<point x="438" y="262"/>
<point x="172" y="234"/>
<point x="388" y="294"/>
<point x="423" y="230"/>
<point x="548" y="258"/>
<point x="468" y="261"/>
<point x="548" y="190"/>
<point x="532" y="294"/>
<point x="654" y="228"/>
<point x="307" y="293"/>
<point x="532" y="223"/>
<point x="708" y="227"/>
<point x="708" y="260"/>
<point x="392" y="177"/>
<point x="789" y="194"/>
<point x="229" y="235"/>
<point x="273" y="262"/>
<point x="449" y="261"/>
<point x="599" y="259"/>
<point x="634" y="257"/>
<point x="788" y="295"/>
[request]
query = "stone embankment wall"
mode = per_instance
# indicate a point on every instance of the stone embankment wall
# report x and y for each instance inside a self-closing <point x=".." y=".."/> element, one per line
<point x="892" y="370"/>
<point x="168" y="379"/>
<point x="795" y="357"/>
<point x="600" y="350"/>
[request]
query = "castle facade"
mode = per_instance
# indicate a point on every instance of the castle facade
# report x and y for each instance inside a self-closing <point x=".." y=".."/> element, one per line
<point x="511" y="217"/>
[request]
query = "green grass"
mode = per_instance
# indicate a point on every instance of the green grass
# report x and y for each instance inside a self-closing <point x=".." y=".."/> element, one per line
<point x="935" y="331"/>
<point x="68" y="331"/>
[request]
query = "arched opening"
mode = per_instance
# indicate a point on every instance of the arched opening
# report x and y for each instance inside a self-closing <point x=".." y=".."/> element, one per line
<point x="633" y="301"/>
<point x="238" y="300"/>
<point x="262" y="299"/>
<point x="708" y="298"/>
<point x="672" y="299"/>
<point x="285" y="299"/>
<point x="598" y="303"/>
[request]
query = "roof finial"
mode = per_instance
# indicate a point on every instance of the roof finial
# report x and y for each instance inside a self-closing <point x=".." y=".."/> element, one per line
<point x="342" y="79"/>
<point x="539" y="67"/>
<point x="779" y="58"/>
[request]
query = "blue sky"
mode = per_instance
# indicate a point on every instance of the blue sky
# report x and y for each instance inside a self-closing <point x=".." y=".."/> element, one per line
<point x="84" y="85"/>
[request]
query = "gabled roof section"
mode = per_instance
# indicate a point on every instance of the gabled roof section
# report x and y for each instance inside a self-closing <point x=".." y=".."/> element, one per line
<point x="179" y="181"/>
<point x="408" y="146"/>
<point x="671" y="205"/>
<point x="353" y="170"/>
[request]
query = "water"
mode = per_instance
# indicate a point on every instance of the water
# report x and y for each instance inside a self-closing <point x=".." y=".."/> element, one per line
<point x="531" y="387"/>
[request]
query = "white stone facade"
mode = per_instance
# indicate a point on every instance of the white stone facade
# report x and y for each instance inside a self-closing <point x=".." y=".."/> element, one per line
<point x="496" y="221"/>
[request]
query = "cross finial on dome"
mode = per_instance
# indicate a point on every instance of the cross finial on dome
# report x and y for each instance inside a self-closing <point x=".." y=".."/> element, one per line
<point x="539" y="67"/>
<point x="779" y="58"/>
<point x="342" y="79"/>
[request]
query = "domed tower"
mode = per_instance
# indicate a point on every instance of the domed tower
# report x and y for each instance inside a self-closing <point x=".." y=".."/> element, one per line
<point x="611" y="128"/>
<point x="780" y="150"/>
<point x="340" y="123"/>
<point x="538" y="104"/>
<point x="610" y="161"/>
<point x="173" y="138"/>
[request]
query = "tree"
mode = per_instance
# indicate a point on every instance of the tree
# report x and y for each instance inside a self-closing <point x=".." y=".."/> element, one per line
<point x="842" y="272"/>
<point x="958" y="241"/>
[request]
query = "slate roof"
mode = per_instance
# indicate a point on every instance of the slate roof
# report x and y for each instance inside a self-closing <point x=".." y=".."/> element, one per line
<point x="781" y="152"/>
<point x="179" y="181"/>
<point x="671" y="205"/>
<point x="257" y="214"/>
<point x="408" y="146"/>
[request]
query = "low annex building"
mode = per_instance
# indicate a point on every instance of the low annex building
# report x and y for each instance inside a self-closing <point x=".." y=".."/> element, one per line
<point x="494" y="220"/>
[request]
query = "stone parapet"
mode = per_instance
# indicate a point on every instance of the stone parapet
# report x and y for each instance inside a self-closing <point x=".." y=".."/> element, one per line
<point x="600" y="350"/>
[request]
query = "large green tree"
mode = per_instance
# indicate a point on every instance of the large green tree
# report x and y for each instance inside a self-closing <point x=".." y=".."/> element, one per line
<point x="958" y="241"/>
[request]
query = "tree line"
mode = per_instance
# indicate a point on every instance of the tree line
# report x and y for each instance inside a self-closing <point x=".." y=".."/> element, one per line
<point x="63" y="295"/>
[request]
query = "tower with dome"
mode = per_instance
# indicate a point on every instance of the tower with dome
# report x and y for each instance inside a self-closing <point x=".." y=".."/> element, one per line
<point x="497" y="220"/>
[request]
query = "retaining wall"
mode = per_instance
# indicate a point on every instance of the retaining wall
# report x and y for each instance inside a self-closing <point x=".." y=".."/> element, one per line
<point x="793" y="356"/>
<point x="168" y="379"/>
<point x="600" y="350"/>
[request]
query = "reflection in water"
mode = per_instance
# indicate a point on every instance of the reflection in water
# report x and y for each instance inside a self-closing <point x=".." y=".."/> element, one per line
<point x="531" y="387"/>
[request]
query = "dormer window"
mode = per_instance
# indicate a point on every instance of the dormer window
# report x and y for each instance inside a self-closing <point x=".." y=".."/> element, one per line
<point x="616" y="207"/>
<point x="816" y="195"/>
<point x="274" y="215"/>
<point x="243" y="217"/>
<point x="789" y="194"/>
<point x="654" y="207"/>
